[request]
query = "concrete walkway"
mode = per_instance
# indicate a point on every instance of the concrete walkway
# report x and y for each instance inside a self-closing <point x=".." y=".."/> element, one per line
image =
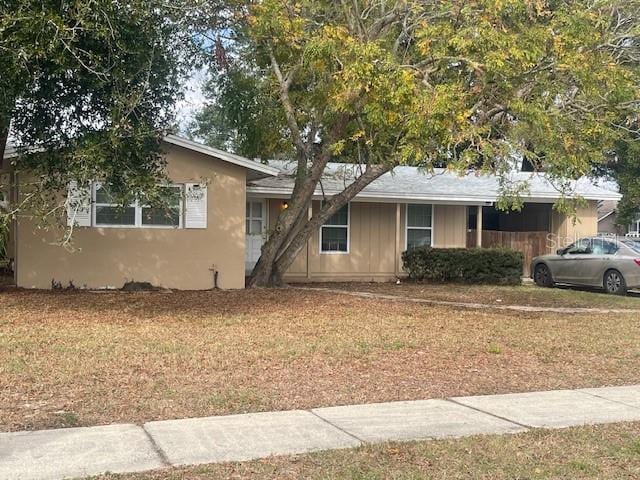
<point x="78" y="452"/>
<point x="475" y="306"/>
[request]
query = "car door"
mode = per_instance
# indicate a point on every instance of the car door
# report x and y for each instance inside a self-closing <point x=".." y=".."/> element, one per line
<point x="558" y="264"/>
<point x="601" y="259"/>
<point x="569" y="265"/>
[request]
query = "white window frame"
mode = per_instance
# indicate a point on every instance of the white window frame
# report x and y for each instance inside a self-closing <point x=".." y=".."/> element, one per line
<point x="138" y="211"/>
<point x="347" y="226"/>
<point x="634" y="229"/>
<point x="407" y="227"/>
<point x="264" y="219"/>
<point x="180" y="210"/>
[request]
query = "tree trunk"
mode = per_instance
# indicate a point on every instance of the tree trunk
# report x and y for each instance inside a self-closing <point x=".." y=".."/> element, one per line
<point x="4" y="136"/>
<point x="279" y="252"/>
<point x="263" y="274"/>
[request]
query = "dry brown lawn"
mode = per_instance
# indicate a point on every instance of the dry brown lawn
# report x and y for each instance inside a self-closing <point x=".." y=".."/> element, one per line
<point x="607" y="452"/>
<point x="81" y="358"/>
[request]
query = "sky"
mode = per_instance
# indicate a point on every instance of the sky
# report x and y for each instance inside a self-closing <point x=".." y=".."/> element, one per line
<point x="193" y="98"/>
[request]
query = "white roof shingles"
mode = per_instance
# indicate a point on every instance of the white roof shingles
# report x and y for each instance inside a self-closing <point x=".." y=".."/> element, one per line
<point x="411" y="183"/>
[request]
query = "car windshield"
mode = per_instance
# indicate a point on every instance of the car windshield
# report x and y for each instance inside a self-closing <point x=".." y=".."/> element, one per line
<point x="633" y="245"/>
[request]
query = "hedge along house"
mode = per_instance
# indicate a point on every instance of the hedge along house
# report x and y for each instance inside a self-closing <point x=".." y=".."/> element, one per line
<point x="226" y="205"/>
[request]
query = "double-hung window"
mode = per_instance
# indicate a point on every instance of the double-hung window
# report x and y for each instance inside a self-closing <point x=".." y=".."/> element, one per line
<point x="334" y="234"/>
<point x="108" y="213"/>
<point x="419" y="225"/>
<point x="169" y="215"/>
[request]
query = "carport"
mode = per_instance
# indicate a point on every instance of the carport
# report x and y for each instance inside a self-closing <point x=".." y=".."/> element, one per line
<point x="528" y="230"/>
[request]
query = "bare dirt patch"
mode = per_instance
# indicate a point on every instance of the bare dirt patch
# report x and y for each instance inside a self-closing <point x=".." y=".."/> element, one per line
<point x="80" y="358"/>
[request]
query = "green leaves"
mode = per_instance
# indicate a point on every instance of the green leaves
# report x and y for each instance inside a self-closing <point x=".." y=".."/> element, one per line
<point x="245" y="116"/>
<point x="90" y="85"/>
<point x="445" y="82"/>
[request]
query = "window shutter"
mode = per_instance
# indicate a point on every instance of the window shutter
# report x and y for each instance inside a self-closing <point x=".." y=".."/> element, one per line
<point x="78" y="205"/>
<point x="195" y="206"/>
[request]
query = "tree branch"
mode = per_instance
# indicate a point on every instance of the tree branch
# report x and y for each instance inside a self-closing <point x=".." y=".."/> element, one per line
<point x="285" y="85"/>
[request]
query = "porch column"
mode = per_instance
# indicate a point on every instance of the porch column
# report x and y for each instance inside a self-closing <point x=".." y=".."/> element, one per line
<point x="479" y="227"/>
<point x="309" y="215"/>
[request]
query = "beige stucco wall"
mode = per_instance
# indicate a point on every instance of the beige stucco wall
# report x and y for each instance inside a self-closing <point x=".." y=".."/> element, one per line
<point x="173" y="258"/>
<point x="377" y="238"/>
<point x="565" y="231"/>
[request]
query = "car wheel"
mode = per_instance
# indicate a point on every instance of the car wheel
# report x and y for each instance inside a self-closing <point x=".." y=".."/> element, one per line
<point x="614" y="283"/>
<point x="542" y="276"/>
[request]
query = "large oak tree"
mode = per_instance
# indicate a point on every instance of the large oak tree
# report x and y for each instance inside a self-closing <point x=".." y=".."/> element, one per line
<point x="381" y="83"/>
<point x="87" y="89"/>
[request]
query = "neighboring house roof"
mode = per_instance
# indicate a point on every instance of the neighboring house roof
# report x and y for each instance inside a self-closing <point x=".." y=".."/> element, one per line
<point x="606" y="215"/>
<point x="606" y="208"/>
<point x="411" y="183"/>
<point x="256" y="169"/>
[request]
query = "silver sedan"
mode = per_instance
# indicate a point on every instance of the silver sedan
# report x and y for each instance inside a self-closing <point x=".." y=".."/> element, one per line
<point x="603" y="262"/>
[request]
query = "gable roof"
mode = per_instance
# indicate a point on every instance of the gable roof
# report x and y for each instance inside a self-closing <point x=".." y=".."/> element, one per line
<point x="255" y="169"/>
<point x="259" y="170"/>
<point x="441" y="185"/>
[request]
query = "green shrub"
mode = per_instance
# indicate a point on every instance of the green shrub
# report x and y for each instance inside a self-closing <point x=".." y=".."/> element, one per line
<point x="469" y="265"/>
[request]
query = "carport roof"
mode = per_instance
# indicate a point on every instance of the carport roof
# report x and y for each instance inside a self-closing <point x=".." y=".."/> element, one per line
<point x="440" y="186"/>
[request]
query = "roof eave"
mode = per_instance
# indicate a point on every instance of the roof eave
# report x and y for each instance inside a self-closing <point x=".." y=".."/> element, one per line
<point x="263" y="170"/>
<point x="404" y="197"/>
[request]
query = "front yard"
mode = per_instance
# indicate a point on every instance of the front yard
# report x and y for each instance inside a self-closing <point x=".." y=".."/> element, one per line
<point x="81" y="358"/>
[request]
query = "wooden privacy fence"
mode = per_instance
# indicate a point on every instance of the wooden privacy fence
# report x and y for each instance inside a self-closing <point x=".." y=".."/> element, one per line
<point x="531" y="244"/>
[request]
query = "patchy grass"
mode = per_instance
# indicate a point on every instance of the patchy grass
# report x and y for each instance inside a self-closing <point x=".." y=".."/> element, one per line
<point x="528" y="294"/>
<point x="602" y="452"/>
<point x="80" y="358"/>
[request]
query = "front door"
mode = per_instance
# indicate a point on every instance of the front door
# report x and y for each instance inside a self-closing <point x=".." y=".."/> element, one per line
<point x="256" y="229"/>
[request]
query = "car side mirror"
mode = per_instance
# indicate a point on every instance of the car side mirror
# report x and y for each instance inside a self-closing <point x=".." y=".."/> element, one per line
<point x="560" y="251"/>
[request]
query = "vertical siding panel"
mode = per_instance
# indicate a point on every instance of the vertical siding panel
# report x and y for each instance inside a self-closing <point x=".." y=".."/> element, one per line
<point x="373" y="228"/>
<point x="450" y="226"/>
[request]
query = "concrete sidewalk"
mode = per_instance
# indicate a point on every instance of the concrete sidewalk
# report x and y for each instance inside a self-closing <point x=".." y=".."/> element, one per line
<point x="78" y="452"/>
